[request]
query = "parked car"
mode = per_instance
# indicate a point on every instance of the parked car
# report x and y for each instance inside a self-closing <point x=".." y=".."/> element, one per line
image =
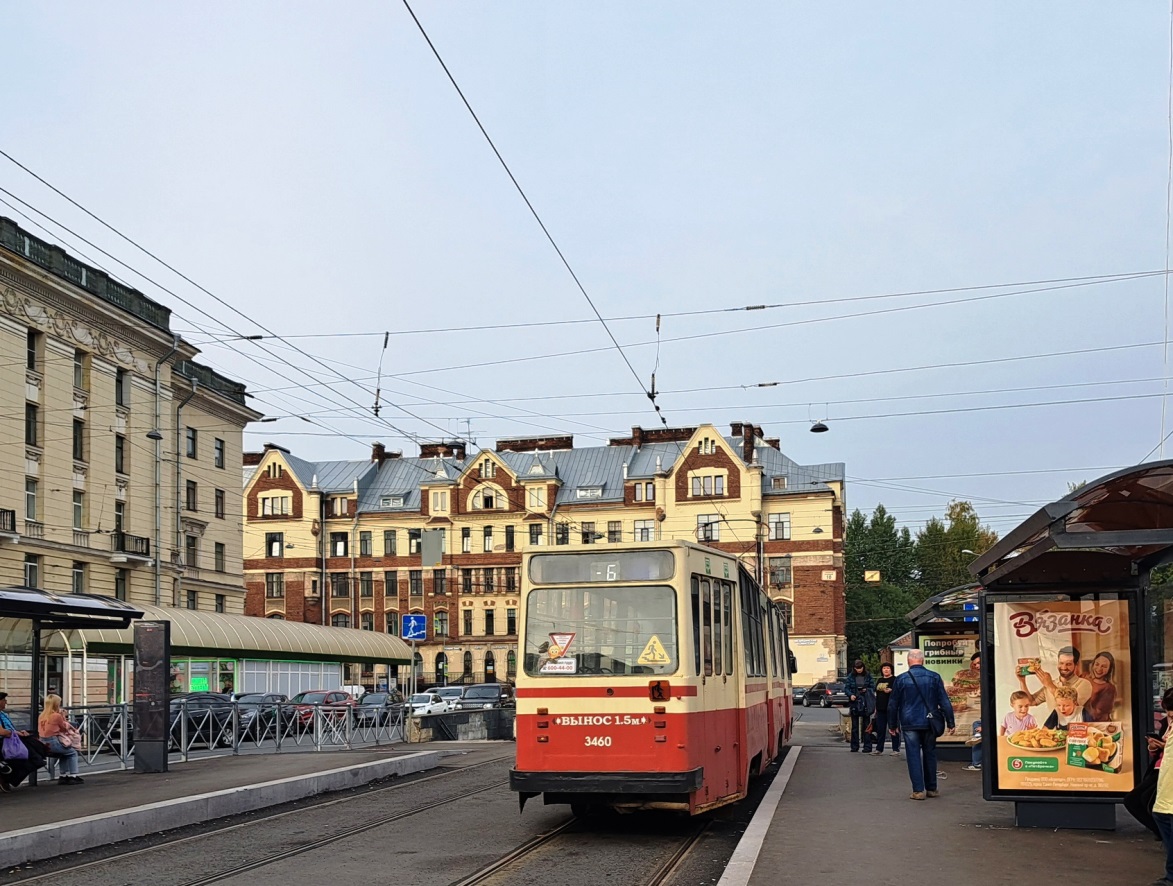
<point x="825" y="695"/>
<point x="333" y="702"/>
<point x="423" y="704"/>
<point x="485" y="695"/>
<point x="449" y="693"/>
<point x="377" y="708"/>
<point x="260" y="713"/>
<point x="799" y="694"/>
<point x="208" y="715"/>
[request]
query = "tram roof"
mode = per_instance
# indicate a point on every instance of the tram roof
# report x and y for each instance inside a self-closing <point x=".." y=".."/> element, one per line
<point x="200" y="634"/>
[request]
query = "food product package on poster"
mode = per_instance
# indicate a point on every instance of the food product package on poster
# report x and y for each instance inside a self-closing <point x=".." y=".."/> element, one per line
<point x="951" y="656"/>
<point x="1062" y="696"/>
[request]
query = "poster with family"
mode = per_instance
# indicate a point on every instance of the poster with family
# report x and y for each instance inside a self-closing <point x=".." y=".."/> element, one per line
<point x="1062" y="719"/>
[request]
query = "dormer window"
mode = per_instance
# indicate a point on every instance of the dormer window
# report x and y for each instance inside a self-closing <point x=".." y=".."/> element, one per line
<point x="536" y="468"/>
<point x="588" y="492"/>
<point x="391" y="501"/>
<point x="777" y="482"/>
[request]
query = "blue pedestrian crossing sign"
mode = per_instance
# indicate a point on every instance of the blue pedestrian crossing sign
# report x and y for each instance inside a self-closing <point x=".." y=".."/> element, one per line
<point x="415" y="627"/>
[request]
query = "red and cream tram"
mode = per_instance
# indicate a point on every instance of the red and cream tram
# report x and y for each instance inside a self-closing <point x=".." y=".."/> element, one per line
<point x="654" y="676"/>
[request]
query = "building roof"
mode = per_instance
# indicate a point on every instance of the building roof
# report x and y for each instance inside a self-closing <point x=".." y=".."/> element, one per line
<point x="201" y="634"/>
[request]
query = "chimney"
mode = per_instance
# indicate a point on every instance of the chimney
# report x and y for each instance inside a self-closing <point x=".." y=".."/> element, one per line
<point x="253" y="458"/>
<point x="747" y="439"/>
<point x="378" y="453"/>
<point x="637" y="436"/>
<point x="776" y="442"/>
<point x="735" y="427"/>
<point x="625" y="470"/>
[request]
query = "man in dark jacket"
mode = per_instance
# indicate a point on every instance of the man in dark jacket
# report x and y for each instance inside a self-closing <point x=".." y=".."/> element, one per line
<point x="861" y="692"/>
<point x="915" y="695"/>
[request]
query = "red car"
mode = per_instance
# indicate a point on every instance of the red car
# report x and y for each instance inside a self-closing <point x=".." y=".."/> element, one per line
<point x="333" y="703"/>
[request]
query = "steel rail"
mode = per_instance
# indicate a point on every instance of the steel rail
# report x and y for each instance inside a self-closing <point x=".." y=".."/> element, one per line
<point x="263" y="819"/>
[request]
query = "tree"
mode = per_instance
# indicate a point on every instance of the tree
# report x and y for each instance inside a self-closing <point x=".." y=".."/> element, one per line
<point x="876" y="610"/>
<point x="944" y="551"/>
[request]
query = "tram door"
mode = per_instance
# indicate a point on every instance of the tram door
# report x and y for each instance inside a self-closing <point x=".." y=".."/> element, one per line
<point x="724" y="747"/>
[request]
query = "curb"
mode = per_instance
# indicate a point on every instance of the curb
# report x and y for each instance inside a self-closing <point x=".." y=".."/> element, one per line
<point x="77" y="834"/>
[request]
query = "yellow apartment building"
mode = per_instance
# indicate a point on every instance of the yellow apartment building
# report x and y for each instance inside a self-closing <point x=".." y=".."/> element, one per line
<point x="362" y="544"/>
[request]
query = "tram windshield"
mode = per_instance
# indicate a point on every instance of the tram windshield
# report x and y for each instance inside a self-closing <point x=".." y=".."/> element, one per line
<point x="600" y="630"/>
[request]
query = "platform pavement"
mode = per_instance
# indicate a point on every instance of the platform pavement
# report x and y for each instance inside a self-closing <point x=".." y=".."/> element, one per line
<point x="846" y="818"/>
<point x="50" y="819"/>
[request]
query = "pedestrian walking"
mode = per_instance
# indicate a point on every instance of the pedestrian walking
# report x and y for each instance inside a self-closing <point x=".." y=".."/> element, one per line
<point x="919" y="708"/>
<point x="861" y="691"/>
<point x="1140" y="800"/>
<point x="883" y="694"/>
<point x="1163" y="812"/>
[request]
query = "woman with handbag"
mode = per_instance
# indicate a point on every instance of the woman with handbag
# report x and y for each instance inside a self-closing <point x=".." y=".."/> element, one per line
<point x="14" y="755"/>
<point x="62" y="738"/>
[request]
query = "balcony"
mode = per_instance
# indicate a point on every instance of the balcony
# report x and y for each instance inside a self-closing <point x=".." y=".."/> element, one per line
<point x="8" y="525"/>
<point x="127" y="548"/>
<point x="81" y="538"/>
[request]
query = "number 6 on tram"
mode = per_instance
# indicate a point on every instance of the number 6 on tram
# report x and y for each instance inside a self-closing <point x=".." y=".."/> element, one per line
<point x="654" y="676"/>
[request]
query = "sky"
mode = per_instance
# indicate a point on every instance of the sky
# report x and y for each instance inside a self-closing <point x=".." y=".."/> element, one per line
<point x="957" y="218"/>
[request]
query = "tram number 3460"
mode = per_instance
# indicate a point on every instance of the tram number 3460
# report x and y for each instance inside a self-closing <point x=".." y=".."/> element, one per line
<point x="598" y="741"/>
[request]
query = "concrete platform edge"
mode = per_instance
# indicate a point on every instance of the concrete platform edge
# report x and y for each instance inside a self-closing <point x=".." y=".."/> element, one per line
<point x="745" y="857"/>
<point x="75" y="835"/>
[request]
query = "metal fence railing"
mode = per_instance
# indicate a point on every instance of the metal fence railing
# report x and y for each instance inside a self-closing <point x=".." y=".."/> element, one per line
<point x="203" y="728"/>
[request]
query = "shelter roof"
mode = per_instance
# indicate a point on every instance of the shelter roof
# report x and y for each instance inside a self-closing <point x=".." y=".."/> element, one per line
<point x="1109" y="531"/>
<point x="65" y="611"/>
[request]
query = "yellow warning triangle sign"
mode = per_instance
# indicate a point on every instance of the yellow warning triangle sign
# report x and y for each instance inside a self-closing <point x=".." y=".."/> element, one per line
<point x="653" y="653"/>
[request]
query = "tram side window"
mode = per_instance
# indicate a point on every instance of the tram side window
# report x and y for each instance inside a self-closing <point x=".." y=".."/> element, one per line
<point x="718" y="628"/>
<point x="727" y="609"/>
<point x="707" y="628"/>
<point x="696" y="625"/>
<point x="772" y="627"/>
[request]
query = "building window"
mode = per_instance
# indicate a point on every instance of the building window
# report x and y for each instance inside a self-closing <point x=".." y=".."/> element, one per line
<point x="341" y="620"/>
<point x="484" y="499"/>
<point x="218" y="452"/>
<point x="389" y="543"/>
<point x="466" y="540"/>
<point x="509" y="538"/>
<point x="467" y="631"/>
<point x="367" y="621"/>
<point x="645" y="530"/>
<point x="391" y="585"/>
<point x="511" y="622"/>
<point x="787" y="614"/>
<point x="614" y="531"/>
<point x="488" y="470"/>
<point x="219" y="506"/>
<point x="274" y="471"/>
<point x="339" y="584"/>
<point x="413" y="541"/>
<point x="466" y="581"/>
<point x="193" y="496"/>
<point x="779" y="527"/>
<point x="193" y="600"/>
<point x="220" y="602"/>
<point x="439" y="582"/>
<point x="488" y="540"/>
<point x="535" y="534"/>
<point x="644" y="491"/>
<point x="121" y="583"/>
<point x="338" y="506"/>
<point x="275" y="505"/>
<point x="192" y="449"/>
<point x="80" y="376"/>
<point x="79" y="440"/>
<point x="490" y="626"/>
<point x="777" y="482"/>
<point x="121" y="387"/>
<point x="191" y="551"/>
<point x="781" y="571"/>
<point x="588" y="533"/>
<point x="218" y="553"/>
<point x="34" y="348"/>
<point x="511" y="579"/>
<point x="415" y="582"/>
<point x="119" y="516"/>
<point x="708" y="527"/>
<point x="79" y="577"/>
<point x="274" y="544"/>
<point x="562" y="534"/>
<point x="707" y="446"/>
<point x="708" y="485"/>
<point x="30" y="424"/>
<point x="120" y="454"/>
<point x="366" y="584"/>
<point x="32" y="570"/>
<point x="488" y="580"/>
<point x="439" y="502"/>
<point x="30" y="498"/>
<point x="339" y="544"/>
<point x="391" y="501"/>
<point x="79" y="510"/>
<point x="441" y="628"/>
<point x="536" y="497"/>
<point x="274" y="585"/>
<point x="364" y="544"/>
<point x="468" y="655"/>
<point x="393" y="624"/>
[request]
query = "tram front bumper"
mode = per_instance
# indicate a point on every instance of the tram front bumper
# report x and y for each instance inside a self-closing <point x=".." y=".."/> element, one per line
<point x="533" y="783"/>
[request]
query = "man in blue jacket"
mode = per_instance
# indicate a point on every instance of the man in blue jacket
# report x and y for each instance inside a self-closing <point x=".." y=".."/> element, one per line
<point x="916" y="694"/>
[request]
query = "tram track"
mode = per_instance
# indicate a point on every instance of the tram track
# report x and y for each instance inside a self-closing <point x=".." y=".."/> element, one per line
<point x="170" y="844"/>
